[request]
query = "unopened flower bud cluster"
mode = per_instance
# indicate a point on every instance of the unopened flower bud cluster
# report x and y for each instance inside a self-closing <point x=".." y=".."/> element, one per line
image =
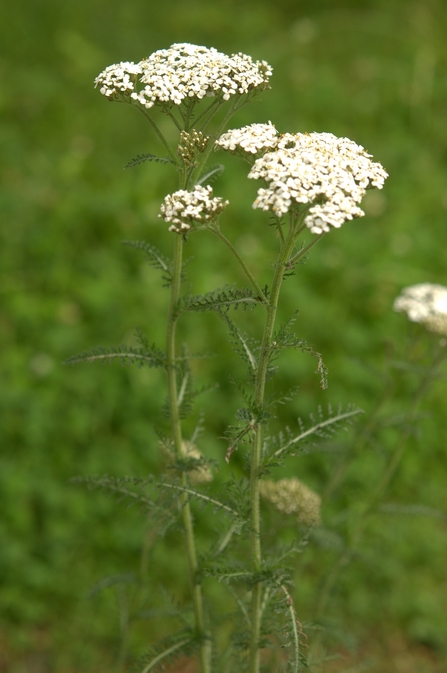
<point x="191" y="144"/>
<point x="184" y="208"/>
<point x="292" y="496"/>
<point x="183" y="71"/>
<point x="327" y="173"/>
<point x="425" y="303"/>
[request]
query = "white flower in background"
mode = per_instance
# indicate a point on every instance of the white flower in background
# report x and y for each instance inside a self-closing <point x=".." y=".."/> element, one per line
<point x="329" y="174"/>
<point x="200" y="473"/>
<point x="183" y="71"/>
<point x="250" y="139"/>
<point x="425" y="303"/>
<point x="185" y="209"/>
<point x="292" y="496"/>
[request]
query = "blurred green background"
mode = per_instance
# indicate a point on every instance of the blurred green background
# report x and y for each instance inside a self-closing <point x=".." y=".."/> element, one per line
<point x="375" y="71"/>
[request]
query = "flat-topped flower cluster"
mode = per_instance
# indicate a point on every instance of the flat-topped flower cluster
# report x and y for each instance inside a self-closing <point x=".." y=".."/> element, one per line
<point x="186" y="208"/>
<point x="180" y="72"/>
<point x="425" y="303"/>
<point x="328" y="173"/>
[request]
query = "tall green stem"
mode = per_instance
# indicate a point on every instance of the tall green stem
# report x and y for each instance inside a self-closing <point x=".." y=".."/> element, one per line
<point x="177" y="438"/>
<point x="282" y="263"/>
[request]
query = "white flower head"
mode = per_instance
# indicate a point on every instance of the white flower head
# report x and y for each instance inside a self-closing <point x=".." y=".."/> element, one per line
<point x="185" y="209"/>
<point x="425" y="303"/>
<point x="252" y="139"/>
<point x="292" y="496"/>
<point x="183" y="71"/>
<point x="329" y="174"/>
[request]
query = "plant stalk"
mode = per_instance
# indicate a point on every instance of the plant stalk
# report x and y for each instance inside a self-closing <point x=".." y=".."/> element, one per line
<point x="196" y="588"/>
<point x="282" y="263"/>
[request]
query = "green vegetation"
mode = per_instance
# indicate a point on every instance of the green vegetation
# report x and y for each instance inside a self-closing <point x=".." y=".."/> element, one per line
<point x="373" y="71"/>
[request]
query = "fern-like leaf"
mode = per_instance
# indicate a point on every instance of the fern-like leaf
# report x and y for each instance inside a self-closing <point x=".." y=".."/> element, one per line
<point x="141" y="158"/>
<point x="167" y="650"/>
<point x="321" y="428"/>
<point x="154" y="256"/>
<point x="286" y="338"/>
<point x="295" y="629"/>
<point x="202" y="497"/>
<point x="321" y="368"/>
<point x="120" y="487"/>
<point x="127" y="355"/>
<point x="220" y="300"/>
<point x="284" y="333"/>
<point x="243" y="345"/>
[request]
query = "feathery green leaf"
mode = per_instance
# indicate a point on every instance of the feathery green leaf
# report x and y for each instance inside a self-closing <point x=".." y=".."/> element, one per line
<point x="151" y="357"/>
<point x="154" y="256"/>
<point x="220" y="300"/>
<point x="281" y="445"/>
<point x="166" y="650"/>
<point x="211" y="174"/>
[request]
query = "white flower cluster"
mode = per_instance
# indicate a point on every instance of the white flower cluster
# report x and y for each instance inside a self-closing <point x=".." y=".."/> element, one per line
<point x="317" y="168"/>
<point x="328" y="173"/>
<point x="425" y="303"/>
<point x="183" y="71"/>
<point x="118" y="79"/>
<point x="184" y="209"/>
<point x="292" y="496"/>
<point x="250" y="139"/>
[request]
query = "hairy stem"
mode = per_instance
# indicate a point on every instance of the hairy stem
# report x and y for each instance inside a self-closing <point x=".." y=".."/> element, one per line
<point x="282" y="263"/>
<point x="177" y="439"/>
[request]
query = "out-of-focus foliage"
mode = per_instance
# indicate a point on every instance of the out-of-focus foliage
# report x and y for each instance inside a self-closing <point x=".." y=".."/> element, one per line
<point x="374" y="71"/>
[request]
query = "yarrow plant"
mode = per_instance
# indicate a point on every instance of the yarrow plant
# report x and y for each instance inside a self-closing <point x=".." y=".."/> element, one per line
<point x="311" y="182"/>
